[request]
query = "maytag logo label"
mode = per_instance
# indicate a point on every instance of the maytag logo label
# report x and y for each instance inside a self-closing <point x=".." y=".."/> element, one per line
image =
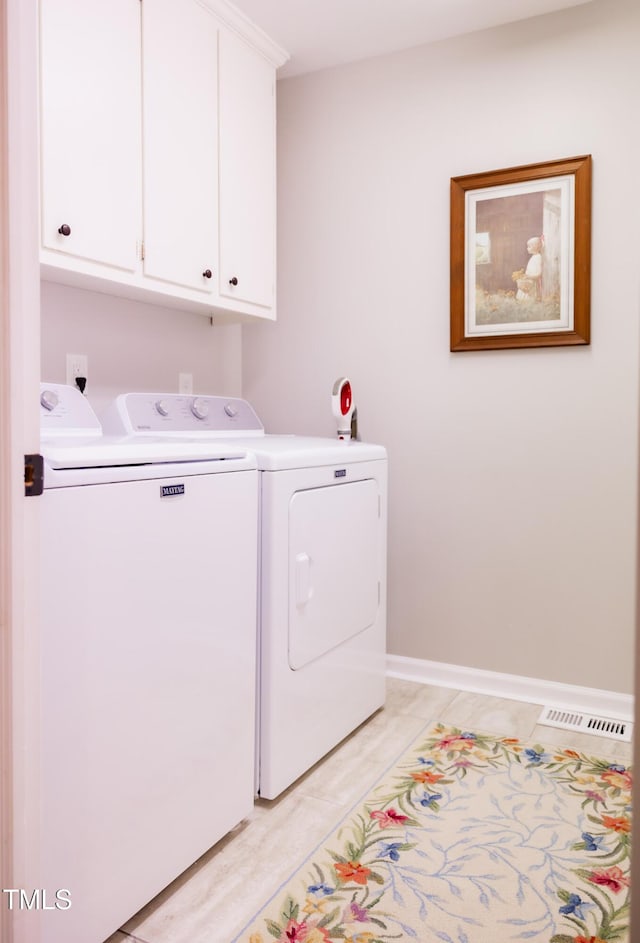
<point x="340" y="473"/>
<point x="171" y="491"/>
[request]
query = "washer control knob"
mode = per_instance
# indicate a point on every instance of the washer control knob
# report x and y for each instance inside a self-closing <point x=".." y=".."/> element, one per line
<point x="231" y="410"/>
<point x="162" y="407"/>
<point x="200" y="408"/>
<point x="49" y="399"/>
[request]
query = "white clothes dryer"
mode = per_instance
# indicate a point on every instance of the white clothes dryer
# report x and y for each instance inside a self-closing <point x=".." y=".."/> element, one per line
<point x="148" y="560"/>
<point x="322" y="575"/>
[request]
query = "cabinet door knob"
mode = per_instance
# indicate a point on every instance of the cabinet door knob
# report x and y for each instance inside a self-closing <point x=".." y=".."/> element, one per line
<point x="65" y="230"/>
<point x="206" y="273"/>
<point x="233" y="281"/>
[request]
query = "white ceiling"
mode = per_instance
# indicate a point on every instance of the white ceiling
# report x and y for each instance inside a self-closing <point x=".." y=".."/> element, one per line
<point x="322" y="33"/>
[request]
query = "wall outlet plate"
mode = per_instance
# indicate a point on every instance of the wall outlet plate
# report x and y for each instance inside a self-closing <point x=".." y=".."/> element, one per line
<point x="185" y="383"/>
<point x="77" y="366"/>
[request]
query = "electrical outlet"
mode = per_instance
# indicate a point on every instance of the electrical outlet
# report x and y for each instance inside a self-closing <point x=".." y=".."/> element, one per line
<point x="77" y="366"/>
<point x="185" y="383"/>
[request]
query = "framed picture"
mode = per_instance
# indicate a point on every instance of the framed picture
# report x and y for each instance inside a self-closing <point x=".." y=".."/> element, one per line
<point x="521" y="256"/>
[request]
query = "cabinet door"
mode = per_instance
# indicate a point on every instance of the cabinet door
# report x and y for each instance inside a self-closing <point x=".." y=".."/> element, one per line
<point x="90" y="129"/>
<point x="180" y="141"/>
<point x="247" y="173"/>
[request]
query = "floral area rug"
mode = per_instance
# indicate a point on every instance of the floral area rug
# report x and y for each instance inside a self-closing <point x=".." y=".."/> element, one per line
<point x="471" y="838"/>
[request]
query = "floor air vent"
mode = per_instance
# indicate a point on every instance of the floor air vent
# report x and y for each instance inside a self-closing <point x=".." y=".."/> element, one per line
<point x="586" y="723"/>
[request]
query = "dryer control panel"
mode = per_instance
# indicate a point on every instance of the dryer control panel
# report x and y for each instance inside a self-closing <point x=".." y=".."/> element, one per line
<point x="175" y="413"/>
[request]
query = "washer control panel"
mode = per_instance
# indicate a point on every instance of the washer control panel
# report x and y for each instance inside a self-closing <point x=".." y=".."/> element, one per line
<point x="64" y="411"/>
<point x="176" y="413"/>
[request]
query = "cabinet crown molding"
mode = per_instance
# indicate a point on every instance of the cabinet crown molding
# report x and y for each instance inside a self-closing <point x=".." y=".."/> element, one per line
<point x="238" y="21"/>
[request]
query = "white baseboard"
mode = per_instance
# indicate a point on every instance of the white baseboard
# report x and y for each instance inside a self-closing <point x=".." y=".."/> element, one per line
<point x="533" y="690"/>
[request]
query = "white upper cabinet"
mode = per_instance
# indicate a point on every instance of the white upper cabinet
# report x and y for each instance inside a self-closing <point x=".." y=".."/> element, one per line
<point x="157" y="123"/>
<point x="180" y="142"/>
<point x="247" y="173"/>
<point x="90" y="130"/>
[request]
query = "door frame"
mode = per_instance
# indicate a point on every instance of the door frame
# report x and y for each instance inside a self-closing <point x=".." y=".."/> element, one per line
<point x="6" y="804"/>
<point x="19" y="435"/>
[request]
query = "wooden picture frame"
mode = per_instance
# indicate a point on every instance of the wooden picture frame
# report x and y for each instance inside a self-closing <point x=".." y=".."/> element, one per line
<point x="521" y="256"/>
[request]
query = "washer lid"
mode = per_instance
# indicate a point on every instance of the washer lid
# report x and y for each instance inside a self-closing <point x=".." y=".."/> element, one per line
<point x="106" y="451"/>
<point x="71" y="437"/>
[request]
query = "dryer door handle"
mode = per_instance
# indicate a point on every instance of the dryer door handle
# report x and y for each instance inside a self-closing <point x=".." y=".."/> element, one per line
<point x="303" y="579"/>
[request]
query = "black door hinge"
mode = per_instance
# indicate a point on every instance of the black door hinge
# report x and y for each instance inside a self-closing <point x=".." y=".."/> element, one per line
<point x="33" y="475"/>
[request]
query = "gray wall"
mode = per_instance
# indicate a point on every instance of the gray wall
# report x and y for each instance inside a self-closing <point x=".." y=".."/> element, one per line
<point x="513" y="497"/>
<point x="134" y="346"/>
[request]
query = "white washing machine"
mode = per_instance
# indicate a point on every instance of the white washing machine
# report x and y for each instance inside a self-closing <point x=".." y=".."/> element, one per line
<point x="149" y="559"/>
<point x="322" y="575"/>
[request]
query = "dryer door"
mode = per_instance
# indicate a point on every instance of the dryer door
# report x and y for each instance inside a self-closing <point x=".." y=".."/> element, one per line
<point x="334" y="567"/>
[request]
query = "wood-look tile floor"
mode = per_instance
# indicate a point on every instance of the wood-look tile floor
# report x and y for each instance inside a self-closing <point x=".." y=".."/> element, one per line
<point x="216" y="897"/>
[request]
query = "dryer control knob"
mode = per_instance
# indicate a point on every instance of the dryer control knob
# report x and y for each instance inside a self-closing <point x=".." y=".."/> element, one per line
<point x="200" y="408"/>
<point x="231" y="410"/>
<point x="162" y="407"/>
<point x="49" y="399"/>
